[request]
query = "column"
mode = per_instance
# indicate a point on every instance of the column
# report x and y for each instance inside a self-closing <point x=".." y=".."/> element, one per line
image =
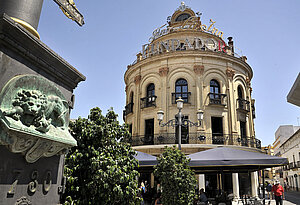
<point x="254" y="184"/>
<point x="201" y="180"/>
<point x="152" y="180"/>
<point x="235" y="185"/>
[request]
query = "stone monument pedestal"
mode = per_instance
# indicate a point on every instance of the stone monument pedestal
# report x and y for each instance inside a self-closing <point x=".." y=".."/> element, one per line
<point x="36" y="96"/>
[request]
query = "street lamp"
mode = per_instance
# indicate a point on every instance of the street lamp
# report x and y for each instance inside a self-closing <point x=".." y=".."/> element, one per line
<point x="179" y="121"/>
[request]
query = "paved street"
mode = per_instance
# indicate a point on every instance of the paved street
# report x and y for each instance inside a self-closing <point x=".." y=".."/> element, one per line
<point x="292" y="198"/>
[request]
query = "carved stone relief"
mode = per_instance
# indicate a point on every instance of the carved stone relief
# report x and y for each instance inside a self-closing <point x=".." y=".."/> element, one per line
<point x="23" y="201"/>
<point x="34" y="118"/>
<point x="230" y="73"/>
<point x="199" y="69"/>
<point x="137" y="79"/>
<point x="163" y="71"/>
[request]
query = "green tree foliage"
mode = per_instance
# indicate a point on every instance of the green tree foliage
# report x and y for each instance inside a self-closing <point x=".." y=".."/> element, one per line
<point x="176" y="177"/>
<point x="101" y="169"/>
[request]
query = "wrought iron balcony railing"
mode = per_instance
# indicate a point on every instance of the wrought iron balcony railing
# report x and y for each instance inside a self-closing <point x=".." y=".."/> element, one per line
<point x="185" y="96"/>
<point x="292" y="165"/>
<point x="148" y="101"/>
<point x="196" y="138"/>
<point x="217" y="99"/>
<point x="243" y="105"/>
<point x="128" y="109"/>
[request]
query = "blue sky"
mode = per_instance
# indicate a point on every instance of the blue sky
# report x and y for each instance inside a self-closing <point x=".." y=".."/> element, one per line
<point x="265" y="31"/>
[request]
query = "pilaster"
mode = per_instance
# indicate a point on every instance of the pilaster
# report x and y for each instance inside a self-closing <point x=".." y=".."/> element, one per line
<point x="235" y="186"/>
<point x="231" y="100"/>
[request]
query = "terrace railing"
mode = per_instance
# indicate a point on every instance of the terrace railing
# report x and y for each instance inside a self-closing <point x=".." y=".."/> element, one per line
<point x="196" y="138"/>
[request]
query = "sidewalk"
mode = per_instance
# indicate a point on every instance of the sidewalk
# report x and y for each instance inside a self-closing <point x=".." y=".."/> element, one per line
<point x="291" y="198"/>
<point x="285" y="202"/>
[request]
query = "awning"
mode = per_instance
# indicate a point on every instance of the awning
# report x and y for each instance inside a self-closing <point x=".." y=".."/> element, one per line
<point x="233" y="160"/>
<point x="145" y="159"/>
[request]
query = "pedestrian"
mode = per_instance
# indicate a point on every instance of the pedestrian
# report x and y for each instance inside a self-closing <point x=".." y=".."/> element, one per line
<point x="158" y="199"/>
<point x="269" y="190"/>
<point x="278" y="191"/>
<point x="203" y="197"/>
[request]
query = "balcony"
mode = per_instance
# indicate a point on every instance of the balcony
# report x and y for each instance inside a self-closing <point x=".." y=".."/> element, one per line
<point x="196" y="138"/>
<point x="185" y="96"/>
<point x="243" y="140"/>
<point x="128" y="109"/>
<point x="243" y="105"/>
<point x="148" y="101"/>
<point x="217" y="99"/>
<point x="292" y="165"/>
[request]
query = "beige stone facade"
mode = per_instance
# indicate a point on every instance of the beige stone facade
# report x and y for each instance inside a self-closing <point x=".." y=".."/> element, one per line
<point x="190" y="60"/>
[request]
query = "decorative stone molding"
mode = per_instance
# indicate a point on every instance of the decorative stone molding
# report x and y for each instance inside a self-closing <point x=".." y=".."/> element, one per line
<point x="248" y="81"/>
<point x="23" y="201"/>
<point x="34" y="118"/>
<point x="137" y="79"/>
<point x="230" y="73"/>
<point x="244" y="58"/>
<point x="199" y="69"/>
<point x="163" y="71"/>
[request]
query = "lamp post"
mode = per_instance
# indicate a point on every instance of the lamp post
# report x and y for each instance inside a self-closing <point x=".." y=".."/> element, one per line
<point x="179" y="122"/>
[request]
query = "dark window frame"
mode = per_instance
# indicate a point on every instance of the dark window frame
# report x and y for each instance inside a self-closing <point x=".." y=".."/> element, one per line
<point x="182" y="90"/>
<point x="182" y="17"/>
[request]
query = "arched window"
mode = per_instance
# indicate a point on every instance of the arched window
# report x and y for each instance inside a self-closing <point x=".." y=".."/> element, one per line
<point x="240" y="92"/>
<point x="131" y="97"/>
<point x="150" y="98"/>
<point x="181" y="90"/>
<point x="150" y="90"/>
<point x="214" y="87"/>
<point x="243" y="104"/>
<point x="214" y="95"/>
<point x="129" y="106"/>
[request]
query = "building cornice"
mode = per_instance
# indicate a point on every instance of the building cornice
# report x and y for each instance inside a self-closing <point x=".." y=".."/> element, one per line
<point x="191" y="53"/>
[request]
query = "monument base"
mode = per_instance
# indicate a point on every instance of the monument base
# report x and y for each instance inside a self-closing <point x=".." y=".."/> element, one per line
<point x="23" y="183"/>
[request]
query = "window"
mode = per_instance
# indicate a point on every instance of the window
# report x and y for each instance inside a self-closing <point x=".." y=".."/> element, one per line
<point x="214" y="87"/>
<point x="149" y="132"/>
<point x="240" y="92"/>
<point x="181" y="90"/>
<point x="129" y="106"/>
<point x="217" y="130"/>
<point x="131" y="97"/>
<point x="244" y="140"/>
<point x="182" y="17"/>
<point x="150" y="98"/>
<point x="242" y="104"/>
<point x="214" y="95"/>
<point x="151" y="90"/>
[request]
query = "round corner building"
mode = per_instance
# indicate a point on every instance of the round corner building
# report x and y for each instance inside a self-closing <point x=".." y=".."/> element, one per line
<point x="188" y="59"/>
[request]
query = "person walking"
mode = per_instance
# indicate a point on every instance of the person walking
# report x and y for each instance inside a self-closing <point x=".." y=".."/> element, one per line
<point x="269" y="190"/>
<point x="278" y="191"/>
